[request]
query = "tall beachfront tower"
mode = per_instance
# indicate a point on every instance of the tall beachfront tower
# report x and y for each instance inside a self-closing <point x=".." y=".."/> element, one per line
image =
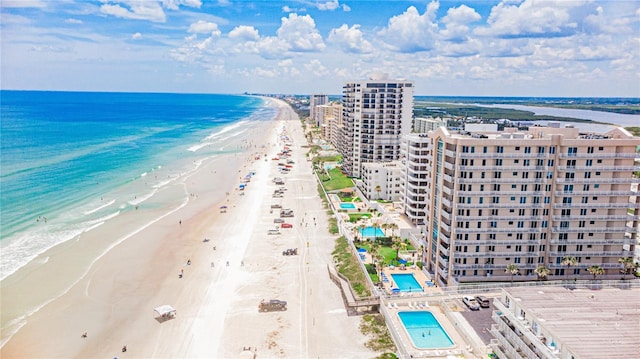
<point x="547" y="197"/>
<point x="376" y="114"/>
<point x="314" y="102"/>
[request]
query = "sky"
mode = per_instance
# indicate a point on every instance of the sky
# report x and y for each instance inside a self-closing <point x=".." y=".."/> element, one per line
<point x="542" y="48"/>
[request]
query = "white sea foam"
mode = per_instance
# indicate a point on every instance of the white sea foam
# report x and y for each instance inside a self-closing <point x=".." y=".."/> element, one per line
<point x="88" y="212"/>
<point x="143" y="174"/>
<point x="140" y="199"/>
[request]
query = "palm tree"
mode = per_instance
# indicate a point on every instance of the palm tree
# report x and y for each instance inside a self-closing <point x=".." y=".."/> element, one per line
<point x="542" y="272"/>
<point x="392" y="227"/>
<point x="396" y="244"/>
<point x="629" y="266"/>
<point x="569" y="261"/>
<point x="595" y="270"/>
<point x="513" y="270"/>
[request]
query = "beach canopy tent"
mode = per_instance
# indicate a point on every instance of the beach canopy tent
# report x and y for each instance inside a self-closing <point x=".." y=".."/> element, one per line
<point x="165" y="311"/>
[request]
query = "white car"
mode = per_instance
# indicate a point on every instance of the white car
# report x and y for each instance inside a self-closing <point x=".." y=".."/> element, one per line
<point x="471" y="302"/>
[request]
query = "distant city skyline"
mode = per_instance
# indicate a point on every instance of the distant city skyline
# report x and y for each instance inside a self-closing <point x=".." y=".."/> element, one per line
<point x="447" y="48"/>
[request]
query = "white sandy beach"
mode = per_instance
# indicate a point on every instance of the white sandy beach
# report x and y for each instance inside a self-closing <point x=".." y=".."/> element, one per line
<point x="112" y="298"/>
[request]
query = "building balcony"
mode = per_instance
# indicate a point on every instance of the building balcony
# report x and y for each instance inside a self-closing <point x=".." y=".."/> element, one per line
<point x="513" y="218"/>
<point x="501" y="230"/>
<point x="599" y="168"/>
<point x="628" y="205"/>
<point x="511" y="341"/>
<point x="627" y="217"/>
<point x="585" y="266"/>
<point x="629" y="180"/>
<point x="503" y="242"/>
<point x="596" y="241"/>
<point x="503" y="155"/>
<point x="599" y="155"/>
<point x="497" y="254"/>
<point x="443" y="251"/>
<point x="504" y="181"/>
<point x="597" y="193"/>
<point x="616" y="254"/>
<point x="625" y="229"/>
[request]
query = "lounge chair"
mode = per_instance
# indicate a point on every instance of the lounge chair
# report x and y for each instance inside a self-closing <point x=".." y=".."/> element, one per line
<point x="410" y="305"/>
<point x="395" y="305"/>
<point x="390" y="305"/>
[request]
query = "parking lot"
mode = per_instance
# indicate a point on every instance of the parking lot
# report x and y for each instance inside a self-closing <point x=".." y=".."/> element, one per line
<point x="480" y="320"/>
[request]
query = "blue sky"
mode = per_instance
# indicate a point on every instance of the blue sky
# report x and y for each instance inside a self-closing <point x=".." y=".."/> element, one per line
<point x="569" y="48"/>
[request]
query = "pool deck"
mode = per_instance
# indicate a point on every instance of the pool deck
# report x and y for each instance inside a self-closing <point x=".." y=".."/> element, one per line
<point x="393" y="306"/>
<point x="417" y="273"/>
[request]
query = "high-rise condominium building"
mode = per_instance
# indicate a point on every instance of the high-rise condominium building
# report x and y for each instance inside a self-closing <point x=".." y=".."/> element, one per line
<point x="376" y="114"/>
<point x="548" y="197"/>
<point x="315" y="101"/>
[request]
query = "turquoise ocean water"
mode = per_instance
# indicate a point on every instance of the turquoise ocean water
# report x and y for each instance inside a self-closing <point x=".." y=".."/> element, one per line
<point x="69" y="161"/>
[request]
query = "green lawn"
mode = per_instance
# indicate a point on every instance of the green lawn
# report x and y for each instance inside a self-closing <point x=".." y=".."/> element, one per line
<point x="338" y="180"/>
<point x="354" y="217"/>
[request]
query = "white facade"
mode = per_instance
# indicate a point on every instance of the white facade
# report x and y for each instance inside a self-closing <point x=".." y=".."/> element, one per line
<point x="376" y="114"/>
<point x="426" y="124"/>
<point x="487" y="200"/>
<point x="381" y="180"/>
<point x="314" y="102"/>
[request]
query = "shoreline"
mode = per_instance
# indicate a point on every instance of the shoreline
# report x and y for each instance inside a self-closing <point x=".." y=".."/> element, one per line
<point x="71" y="261"/>
<point x="216" y="305"/>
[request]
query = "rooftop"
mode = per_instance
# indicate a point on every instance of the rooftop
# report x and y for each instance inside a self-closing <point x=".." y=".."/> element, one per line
<point x="590" y="323"/>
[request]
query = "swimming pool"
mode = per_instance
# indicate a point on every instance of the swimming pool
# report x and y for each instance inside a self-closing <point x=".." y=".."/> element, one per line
<point x="347" y="205"/>
<point x="406" y="282"/>
<point x="424" y="330"/>
<point x="371" y="232"/>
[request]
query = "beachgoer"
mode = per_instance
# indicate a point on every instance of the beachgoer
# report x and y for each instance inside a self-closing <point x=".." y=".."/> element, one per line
<point x="227" y="263"/>
<point x="84" y="335"/>
<point x="180" y="222"/>
<point x="242" y="263"/>
<point x="212" y="265"/>
<point x="124" y="348"/>
<point x="188" y="262"/>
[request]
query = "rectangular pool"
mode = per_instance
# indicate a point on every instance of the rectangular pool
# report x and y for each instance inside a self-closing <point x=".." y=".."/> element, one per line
<point x="424" y="330"/>
<point x="371" y="232"/>
<point x="406" y="282"/>
<point x="347" y="205"/>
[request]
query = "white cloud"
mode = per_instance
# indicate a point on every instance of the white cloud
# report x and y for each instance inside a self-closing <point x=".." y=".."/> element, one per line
<point x="175" y="4"/>
<point x="350" y="39"/>
<point x="23" y="3"/>
<point x="411" y="32"/>
<point x="456" y="23"/>
<point x="269" y="47"/>
<point x="316" y="68"/>
<point x="204" y="27"/>
<point x="141" y="10"/>
<point x="536" y="19"/>
<point x="245" y="33"/>
<point x="300" y="33"/>
<point x="73" y="21"/>
<point x="136" y="36"/>
<point x="332" y="5"/>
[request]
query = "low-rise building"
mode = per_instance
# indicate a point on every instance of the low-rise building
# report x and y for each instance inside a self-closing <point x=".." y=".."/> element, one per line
<point x="555" y="322"/>
<point x="381" y="180"/>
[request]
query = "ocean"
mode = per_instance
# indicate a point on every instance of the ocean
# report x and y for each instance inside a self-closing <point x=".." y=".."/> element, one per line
<point x="70" y="161"/>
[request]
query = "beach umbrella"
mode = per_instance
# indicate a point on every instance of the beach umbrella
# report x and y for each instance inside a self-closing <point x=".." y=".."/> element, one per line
<point x="223" y="207"/>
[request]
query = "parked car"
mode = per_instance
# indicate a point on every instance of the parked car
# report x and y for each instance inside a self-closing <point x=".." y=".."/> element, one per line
<point x="290" y="252"/>
<point x="273" y="304"/>
<point x="278" y="220"/>
<point x="287" y="225"/>
<point x="273" y="232"/>
<point x="471" y="302"/>
<point x="483" y="301"/>
<point x="276" y="206"/>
